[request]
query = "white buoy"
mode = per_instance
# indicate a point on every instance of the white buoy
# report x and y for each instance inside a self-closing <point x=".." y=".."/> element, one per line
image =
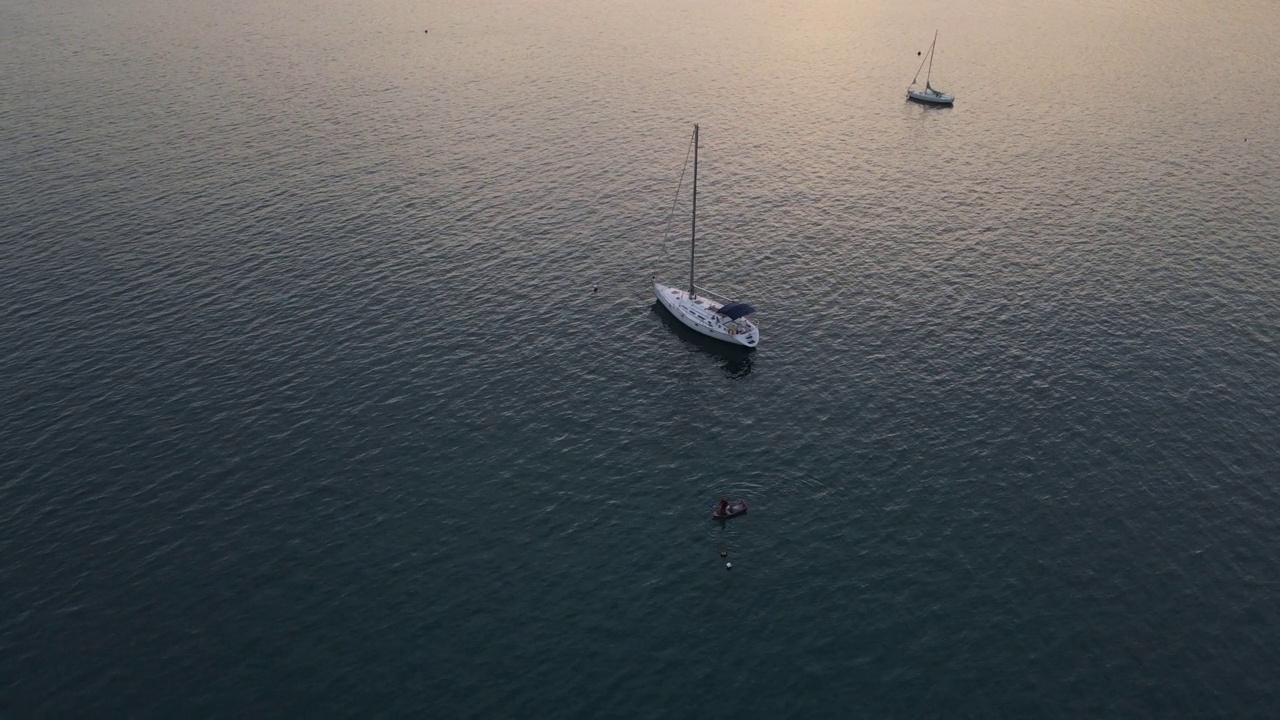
<point x="728" y="566"/>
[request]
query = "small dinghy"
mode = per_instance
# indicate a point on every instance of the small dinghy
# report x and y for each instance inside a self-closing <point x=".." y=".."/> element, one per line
<point x="733" y="509"/>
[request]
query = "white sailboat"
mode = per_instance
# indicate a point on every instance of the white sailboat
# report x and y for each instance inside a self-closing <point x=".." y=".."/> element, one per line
<point x="928" y="94"/>
<point x="707" y="312"/>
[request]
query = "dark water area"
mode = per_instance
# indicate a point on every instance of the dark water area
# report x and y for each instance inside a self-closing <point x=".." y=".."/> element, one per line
<point x="334" y="384"/>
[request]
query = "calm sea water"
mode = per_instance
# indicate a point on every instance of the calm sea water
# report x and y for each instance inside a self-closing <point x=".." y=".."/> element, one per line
<point x="333" y="384"/>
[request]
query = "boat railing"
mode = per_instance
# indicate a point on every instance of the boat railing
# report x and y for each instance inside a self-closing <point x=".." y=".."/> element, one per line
<point x="713" y="295"/>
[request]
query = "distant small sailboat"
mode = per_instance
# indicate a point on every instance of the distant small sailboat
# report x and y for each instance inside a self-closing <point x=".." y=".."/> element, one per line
<point x="711" y="314"/>
<point x="928" y="94"/>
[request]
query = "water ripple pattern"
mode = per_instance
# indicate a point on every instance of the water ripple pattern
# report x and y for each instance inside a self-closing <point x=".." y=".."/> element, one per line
<point x="334" y="384"/>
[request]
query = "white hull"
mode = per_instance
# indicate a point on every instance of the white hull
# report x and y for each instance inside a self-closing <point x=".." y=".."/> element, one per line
<point x="699" y="313"/>
<point x="931" y="97"/>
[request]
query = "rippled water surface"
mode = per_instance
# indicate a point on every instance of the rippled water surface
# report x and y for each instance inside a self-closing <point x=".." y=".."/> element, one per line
<point x="333" y="383"/>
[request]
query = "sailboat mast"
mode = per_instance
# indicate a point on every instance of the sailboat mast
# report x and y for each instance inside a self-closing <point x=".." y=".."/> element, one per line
<point x="693" y="232"/>
<point x="931" y="47"/>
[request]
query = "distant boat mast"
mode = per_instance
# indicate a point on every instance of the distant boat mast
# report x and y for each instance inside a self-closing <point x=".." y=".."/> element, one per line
<point x="693" y="233"/>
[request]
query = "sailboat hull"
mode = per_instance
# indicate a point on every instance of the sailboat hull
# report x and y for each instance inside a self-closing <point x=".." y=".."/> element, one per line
<point x="699" y="314"/>
<point x="932" y="98"/>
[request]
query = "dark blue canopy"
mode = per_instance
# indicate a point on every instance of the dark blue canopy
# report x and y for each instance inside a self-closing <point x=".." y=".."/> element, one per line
<point x="736" y="310"/>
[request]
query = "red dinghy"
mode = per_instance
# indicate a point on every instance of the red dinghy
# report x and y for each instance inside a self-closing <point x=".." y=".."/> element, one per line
<point x="732" y="510"/>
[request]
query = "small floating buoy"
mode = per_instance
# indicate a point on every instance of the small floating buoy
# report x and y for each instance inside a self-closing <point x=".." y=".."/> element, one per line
<point x="728" y="566"/>
<point x="724" y="553"/>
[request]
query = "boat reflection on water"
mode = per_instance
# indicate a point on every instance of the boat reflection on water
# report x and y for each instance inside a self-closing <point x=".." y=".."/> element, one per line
<point x="735" y="360"/>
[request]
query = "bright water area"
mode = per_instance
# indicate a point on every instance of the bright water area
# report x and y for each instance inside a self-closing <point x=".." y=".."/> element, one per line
<point x="333" y="383"/>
